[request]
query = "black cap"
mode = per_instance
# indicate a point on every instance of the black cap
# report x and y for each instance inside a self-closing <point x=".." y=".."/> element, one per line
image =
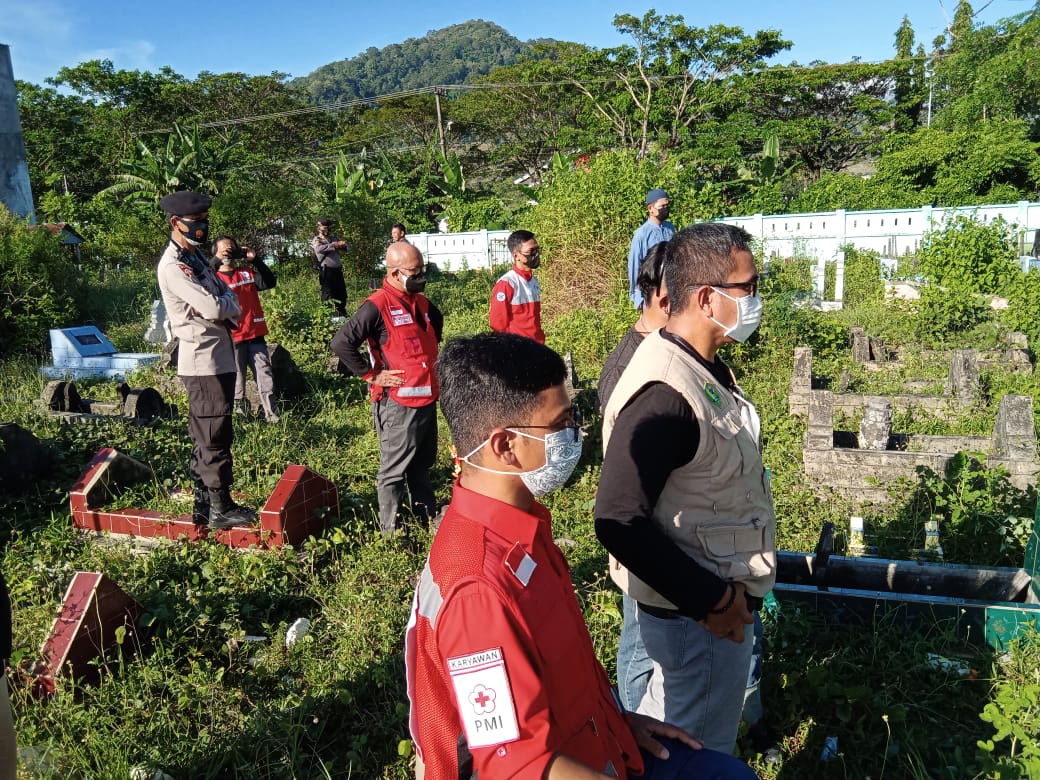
<point x="181" y="203"/>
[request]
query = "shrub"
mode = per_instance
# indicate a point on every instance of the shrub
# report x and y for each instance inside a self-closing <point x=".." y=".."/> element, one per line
<point x="584" y="221"/>
<point x="968" y="256"/>
<point x="942" y="314"/>
<point x="480" y="213"/>
<point x="40" y="287"/>
<point x="863" y="283"/>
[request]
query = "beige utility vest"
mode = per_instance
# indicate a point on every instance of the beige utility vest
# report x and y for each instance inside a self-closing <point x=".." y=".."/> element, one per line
<point x="717" y="508"/>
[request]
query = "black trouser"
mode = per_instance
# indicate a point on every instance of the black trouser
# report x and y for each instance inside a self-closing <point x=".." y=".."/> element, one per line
<point x="333" y="288"/>
<point x="209" y="425"/>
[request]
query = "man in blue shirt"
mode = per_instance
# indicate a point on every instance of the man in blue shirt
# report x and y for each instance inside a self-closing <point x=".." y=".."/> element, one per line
<point x="656" y="229"/>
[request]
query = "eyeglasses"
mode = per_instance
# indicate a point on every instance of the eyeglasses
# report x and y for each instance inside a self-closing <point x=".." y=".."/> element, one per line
<point x="535" y="255"/>
<point x="751" y="288"/>
<point x="574" y="426"/>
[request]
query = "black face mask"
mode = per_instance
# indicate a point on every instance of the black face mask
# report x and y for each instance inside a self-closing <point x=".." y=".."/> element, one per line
<point x="415" y="283"/>
<point x="662" y="214"/>
<point x="198" y="230"/>
<point x="533" y="260"/>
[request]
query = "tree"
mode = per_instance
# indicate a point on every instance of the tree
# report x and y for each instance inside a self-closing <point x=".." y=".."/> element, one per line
<point x="656" y="89"/>
<point x="184" y="164"/>
<point x="522" y="114"/>
<point x="994" y="162"/>
<point x="909" y="89"/>
<point x="826" y="116"/>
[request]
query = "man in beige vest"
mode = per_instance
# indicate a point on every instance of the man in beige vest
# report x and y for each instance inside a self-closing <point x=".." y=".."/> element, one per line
<point x="683" y="505"/>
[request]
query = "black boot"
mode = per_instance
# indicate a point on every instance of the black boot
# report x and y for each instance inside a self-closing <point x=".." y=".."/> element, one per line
<point x="200" y="509"/>
<point x="225" y="513"/>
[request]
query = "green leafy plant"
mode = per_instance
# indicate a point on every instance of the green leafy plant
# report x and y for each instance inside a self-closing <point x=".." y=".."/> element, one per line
<point x="1014" y="713"/>
<point x="983" y="518"/>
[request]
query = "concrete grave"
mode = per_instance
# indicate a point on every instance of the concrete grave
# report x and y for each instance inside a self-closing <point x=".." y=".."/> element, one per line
<point x="863" y="474"/>
<point x="962" y="388"/>
<point x="297" y="509"/>
<point x="142" y="404"/>
<point x="873" y="355"/>
<point x="85" y="351"/>
<point x="23" y="457"/>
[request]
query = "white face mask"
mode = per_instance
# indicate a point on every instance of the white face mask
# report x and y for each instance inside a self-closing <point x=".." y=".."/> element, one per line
<point x="749" y="315"/>
<point x="562" y="453"/>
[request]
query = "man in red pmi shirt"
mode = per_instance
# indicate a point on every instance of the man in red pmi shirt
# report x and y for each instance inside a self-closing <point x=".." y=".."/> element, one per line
<point x="516" y="300"/>
<point x="502" y="676"/>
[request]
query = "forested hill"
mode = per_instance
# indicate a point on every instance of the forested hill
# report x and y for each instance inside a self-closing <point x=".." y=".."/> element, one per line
<point x="449" y="56"/>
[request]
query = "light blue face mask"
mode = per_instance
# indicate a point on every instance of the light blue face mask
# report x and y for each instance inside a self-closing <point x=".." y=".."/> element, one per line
<point x="749" y="315"/>
<point x="562" y="453"/>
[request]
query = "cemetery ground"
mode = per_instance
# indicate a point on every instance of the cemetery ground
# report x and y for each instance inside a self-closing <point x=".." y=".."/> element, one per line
<point x="215" y="692"/>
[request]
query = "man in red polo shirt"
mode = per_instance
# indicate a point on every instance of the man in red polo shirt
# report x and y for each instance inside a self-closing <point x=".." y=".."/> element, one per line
<point x="401" y="329"/>
<point x="502" y="676"/>
<point x="516" y="300"/>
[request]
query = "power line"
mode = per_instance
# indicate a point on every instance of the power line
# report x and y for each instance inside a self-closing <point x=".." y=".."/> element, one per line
<point x="344" y="105"/>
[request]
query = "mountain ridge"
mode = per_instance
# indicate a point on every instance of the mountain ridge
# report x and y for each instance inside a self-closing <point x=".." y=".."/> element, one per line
<point x="450" y="55"/>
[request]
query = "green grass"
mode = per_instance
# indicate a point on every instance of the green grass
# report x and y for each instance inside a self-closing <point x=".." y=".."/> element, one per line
<point x="199" y="700"/>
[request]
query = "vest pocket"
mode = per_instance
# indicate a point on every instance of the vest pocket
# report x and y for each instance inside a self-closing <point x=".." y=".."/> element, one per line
<point x="736" y="550"/>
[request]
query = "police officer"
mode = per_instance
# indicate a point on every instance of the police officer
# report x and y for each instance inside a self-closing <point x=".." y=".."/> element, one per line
<point x="402" y="329"/>
<point x="202" y="309"/>
<point x="327" y="248"/>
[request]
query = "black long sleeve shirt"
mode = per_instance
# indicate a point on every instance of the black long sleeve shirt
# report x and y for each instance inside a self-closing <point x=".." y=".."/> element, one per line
<point x="367" y="323"/>
<point x="654" y="434"/>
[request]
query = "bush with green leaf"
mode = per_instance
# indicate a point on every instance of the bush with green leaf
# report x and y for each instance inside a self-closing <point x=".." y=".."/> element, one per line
<point x="967" y="256"/>
<point x="1013" y="751"/>
<point x="40" y="286"/>
<point x="585" y="219"/>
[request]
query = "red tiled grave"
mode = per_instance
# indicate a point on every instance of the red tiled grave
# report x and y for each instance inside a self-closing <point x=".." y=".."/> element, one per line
<point x="296" y="509"/>
<point x="92" y="613"/>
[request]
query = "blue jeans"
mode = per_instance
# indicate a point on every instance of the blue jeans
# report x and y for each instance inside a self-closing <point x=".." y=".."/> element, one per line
<point x="698" y="681"/>
<point x="753" y="711"/>
<point x="634" y="666"/>
<point x="685" y="763"/>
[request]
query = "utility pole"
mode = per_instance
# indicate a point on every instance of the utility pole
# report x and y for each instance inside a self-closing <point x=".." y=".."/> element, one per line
<point x="439" y="92"/>
<point x="928" y="75"/>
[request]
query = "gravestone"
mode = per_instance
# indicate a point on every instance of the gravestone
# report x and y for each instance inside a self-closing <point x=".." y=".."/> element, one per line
<point x="875" y="429"/>
<point x="159" y="329"/>
<point x="860" y="345"/>
<point x="820" y="434"/>
<point x="963" y="381"/>
<point x="23" y="457"/>
<point x="1014" y="435"/>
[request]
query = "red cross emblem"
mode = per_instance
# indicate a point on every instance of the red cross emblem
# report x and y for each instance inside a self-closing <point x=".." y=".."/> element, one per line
<point x="483" y="700"/>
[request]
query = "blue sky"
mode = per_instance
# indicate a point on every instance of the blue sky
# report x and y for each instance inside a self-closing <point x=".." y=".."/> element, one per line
<point x="262" y="36"/>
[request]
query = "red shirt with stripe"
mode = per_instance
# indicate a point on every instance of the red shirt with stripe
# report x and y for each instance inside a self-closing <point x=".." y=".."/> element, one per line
<point x="252" y="323"/>
<point x="516" y="305"/>
<point x="495" y="586"/>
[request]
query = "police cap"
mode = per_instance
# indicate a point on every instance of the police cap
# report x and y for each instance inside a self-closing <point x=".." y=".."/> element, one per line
<point x="181" y="203"/>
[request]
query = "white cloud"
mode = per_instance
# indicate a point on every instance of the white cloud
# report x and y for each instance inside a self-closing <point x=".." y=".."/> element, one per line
<point x="132" y="55"/>
<point x="38" y="34"/>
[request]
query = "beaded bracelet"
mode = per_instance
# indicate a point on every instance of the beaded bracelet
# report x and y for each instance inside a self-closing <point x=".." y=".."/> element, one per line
<point x="726" y="607"/>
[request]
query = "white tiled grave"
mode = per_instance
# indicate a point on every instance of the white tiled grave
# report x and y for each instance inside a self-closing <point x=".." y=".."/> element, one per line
<point x="85" y="351"/>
